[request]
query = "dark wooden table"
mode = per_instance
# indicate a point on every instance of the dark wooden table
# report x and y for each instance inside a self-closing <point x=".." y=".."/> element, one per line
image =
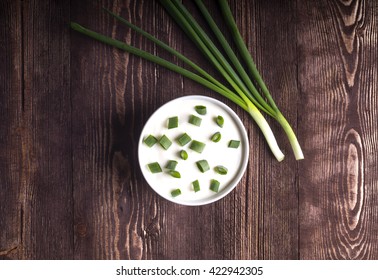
<point x="72" y="109"/>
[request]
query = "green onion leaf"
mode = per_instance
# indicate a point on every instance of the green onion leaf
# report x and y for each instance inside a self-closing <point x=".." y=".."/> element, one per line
<point x="174" y="173"/>
<point x="203" y="165"/>
<point x="150" y="140"/>
<point x="216" y="137"/>
<point x="196" y="186"/>
<point x="176" y="192"/>
<point x="171" y="164"/>
<point x="200" y="109"/>
<point x="195" y="120"/>
<point x="183" y="154"/>
<point x="209" y="80"/>
<point x="197" y="146"/>
<point x="234" y="144"/>
<point x="154" y="167"/>
<point x="219" y="120"/>
<point x="184" y="139"/>
<point x="220" y="169"/>
<point x="165" y="142"/>
<point x="214" y="185"/>
<point x="172" y="122"/>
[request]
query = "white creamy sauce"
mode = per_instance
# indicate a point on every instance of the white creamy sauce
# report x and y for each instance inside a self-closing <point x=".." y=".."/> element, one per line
<point x="215" y="153"/>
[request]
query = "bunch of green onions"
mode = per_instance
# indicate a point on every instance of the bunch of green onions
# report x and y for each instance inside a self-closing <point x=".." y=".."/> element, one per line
<point x="250" y="94"/>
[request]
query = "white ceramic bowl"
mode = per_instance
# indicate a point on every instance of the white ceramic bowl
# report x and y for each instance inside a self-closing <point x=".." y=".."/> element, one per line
<point x="235" y="160"/>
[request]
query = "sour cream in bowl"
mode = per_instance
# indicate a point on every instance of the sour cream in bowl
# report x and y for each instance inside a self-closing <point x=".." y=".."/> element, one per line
<point x="190" y="124"/>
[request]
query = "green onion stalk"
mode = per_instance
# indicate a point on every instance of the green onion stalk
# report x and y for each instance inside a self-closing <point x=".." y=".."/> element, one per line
<point x="243" y="93"/>
<point x="227" y="14"/>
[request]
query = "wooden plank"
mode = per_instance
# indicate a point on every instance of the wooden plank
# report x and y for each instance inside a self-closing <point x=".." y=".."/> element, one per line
<point x="90" y="136"/>
<point x="10" y="129"/>
<point x="270" y="191"/>
<point x="46" y="138"/>
<point x="338" y="80"/>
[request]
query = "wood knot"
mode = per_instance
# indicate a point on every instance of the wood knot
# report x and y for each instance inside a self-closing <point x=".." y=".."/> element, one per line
<point x="353" y="177"/>
<point x="81" y="230"/>
<point x="152" y="229"/>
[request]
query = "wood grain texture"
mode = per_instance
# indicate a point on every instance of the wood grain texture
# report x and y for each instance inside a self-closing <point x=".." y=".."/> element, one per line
<point x="11" y="211"/>
<point x="338" y="215"/>
<point x="105" y="138"/>
<point x="72" y="110"/>
<point x="46" y="139"/>
<point x="277" y="197"/>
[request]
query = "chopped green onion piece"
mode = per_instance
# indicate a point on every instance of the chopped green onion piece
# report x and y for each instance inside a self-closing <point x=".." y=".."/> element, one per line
<point x="216" y="137"/>
<point x="171" y="164"/>
<point x="176" y="192"/>
<point x="195" y="120"/>
<point x="234" y="144"/>
<point x="172" y="122"/>
<point x="221" y="170"/>
<point x="197" y="146"/>
<point x="196" y="186"/>
<point x="150" y="140"/>
<point x="184" y="139"/>
<point x="203" y="165"/>
<point x="214" y="185"/>
<point x="165" y="142"/>
<point x="154" y="167"/>
<point x="219" y="120"/>
<point x="184" y="155"/>
<point x="174" y="173"/>
<point x="200" y="109"/>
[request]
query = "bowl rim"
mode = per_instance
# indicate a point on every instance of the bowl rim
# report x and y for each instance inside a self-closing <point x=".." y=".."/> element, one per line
<point x="245" y="154"/>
